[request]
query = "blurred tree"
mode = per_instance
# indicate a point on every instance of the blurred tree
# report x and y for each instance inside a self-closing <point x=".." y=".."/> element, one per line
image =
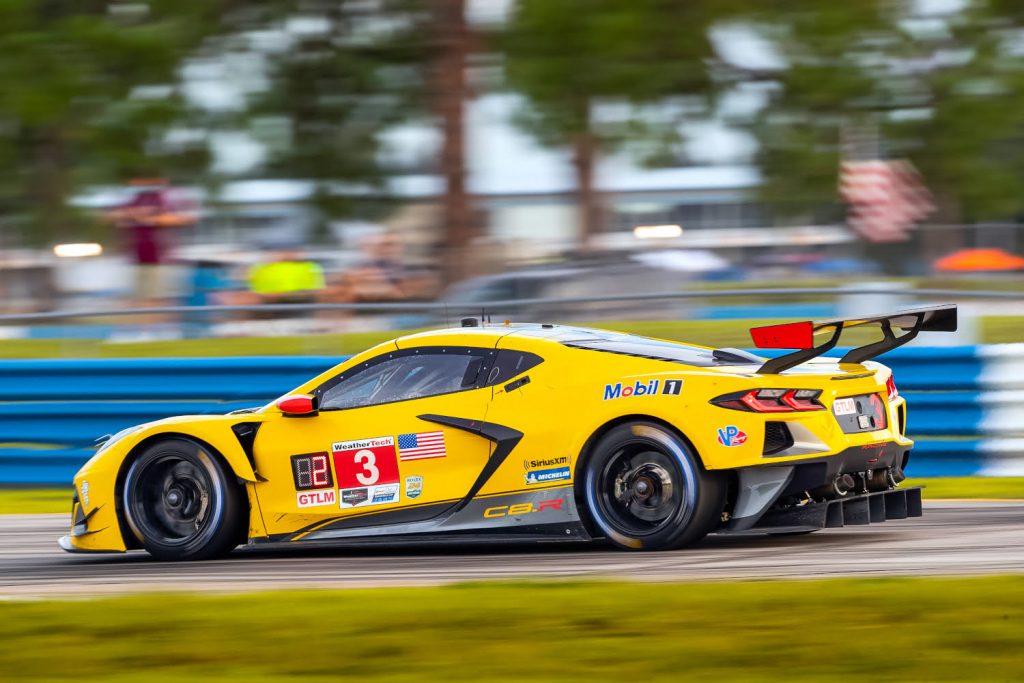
<point x="452" y="44"/>
<point x="87" y="94"/>
<point x="566" y="57"/>
<point x="354" y="70"/>
<point x="350" y="70"/>
<point x="895" y="80"/>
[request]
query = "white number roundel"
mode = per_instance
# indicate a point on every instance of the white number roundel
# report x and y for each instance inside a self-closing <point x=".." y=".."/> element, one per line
<point x="370" y="473"/>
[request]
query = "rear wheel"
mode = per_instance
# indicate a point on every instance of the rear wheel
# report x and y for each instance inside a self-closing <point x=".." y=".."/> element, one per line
<point x="645" y="489"/>
<point x="182" y="502"/>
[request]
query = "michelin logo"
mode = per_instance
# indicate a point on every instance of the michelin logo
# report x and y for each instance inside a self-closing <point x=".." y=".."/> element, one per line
<point x="544" y="476"/>
<point x="638" y="388"/>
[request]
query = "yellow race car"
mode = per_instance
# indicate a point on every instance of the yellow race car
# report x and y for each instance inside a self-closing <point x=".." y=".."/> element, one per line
<point x="525" y="432"/>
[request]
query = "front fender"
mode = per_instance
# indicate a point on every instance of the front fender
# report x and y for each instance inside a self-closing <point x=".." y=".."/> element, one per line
<point x="213" y="430"/>
<point x="96" y="483"/>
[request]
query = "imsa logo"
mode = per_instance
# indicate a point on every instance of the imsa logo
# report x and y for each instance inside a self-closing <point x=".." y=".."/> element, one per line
<point x="670" y="387"/>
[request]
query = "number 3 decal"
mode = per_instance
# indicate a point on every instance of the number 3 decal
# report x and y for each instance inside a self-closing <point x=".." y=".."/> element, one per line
<point x="364" y="463"/>
<point x="370" y="473"/>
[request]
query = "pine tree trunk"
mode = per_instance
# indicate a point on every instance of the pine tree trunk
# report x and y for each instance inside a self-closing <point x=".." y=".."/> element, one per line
<point x="588" y="202"/>
<point x="48" y="187"/>
<point x="453" y="41"/>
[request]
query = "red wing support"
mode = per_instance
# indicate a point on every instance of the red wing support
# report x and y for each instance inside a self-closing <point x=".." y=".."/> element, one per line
<point x="801" y="335"/>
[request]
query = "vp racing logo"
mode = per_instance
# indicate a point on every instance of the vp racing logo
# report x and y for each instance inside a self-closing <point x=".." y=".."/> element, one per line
<point x="670" y="387"/>
<point x="732" y="436"/>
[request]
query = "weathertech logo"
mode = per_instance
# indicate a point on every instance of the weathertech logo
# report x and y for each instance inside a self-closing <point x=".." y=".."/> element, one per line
<point x="670" y="387"/>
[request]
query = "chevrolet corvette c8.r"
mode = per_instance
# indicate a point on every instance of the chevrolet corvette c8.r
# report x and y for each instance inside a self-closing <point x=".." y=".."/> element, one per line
<point x="525" y="432"/>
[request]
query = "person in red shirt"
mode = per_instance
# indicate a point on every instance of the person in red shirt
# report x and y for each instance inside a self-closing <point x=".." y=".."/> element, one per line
<point x="145" y="219"/>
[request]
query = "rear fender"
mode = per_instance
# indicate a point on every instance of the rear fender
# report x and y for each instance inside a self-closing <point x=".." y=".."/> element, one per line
<point x="587" y="440"/>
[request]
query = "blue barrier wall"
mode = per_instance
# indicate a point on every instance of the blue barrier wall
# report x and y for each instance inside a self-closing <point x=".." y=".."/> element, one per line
<point x="52" y="411"/>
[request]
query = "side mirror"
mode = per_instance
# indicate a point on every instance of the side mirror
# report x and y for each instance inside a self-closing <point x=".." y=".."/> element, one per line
<point x="297" y="405"/>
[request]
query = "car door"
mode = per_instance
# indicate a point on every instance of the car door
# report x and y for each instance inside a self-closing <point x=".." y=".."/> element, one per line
<point x="372" y="447"/>
<point x="525" y="398"/>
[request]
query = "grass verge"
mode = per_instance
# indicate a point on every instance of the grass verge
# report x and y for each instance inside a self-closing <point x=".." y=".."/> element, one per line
<point x="1000" y="488"/>
<point x="40" y="501"/>
<point x="35" y="501"/>
<point x="837" y="630"/>
<point x="313" y="345"/>
<point x="717" y="333"/>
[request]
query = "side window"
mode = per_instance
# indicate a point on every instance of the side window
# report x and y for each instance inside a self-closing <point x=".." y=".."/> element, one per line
<point x="509" y="363"/>
<point x="405" y="375"/>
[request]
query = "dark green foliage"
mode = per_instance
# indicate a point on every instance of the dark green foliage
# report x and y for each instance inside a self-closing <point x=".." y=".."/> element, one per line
<point x="566" y="56"/>
<point x="91" y="90"/>
<point x="335" y="90"/>
<point x="943" y="91"/>
<point x="67" y="117"/>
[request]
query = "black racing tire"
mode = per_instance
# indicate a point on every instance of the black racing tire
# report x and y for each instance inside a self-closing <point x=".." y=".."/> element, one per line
<point x="646" y="489"/>
<point x="181" y="501"/>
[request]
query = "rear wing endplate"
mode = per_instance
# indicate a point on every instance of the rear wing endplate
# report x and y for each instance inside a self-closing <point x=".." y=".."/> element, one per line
<point x="801" y="335"/>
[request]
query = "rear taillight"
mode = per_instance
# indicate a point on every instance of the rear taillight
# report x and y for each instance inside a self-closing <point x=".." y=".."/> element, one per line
<point x="771" y="400"/>
<point x="890" y="385"/>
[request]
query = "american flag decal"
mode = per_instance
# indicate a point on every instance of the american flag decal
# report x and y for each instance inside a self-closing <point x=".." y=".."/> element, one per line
<point x="420" y="446"/>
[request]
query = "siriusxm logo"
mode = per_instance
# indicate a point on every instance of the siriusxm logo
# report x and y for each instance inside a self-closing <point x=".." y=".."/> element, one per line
<point x="639" y="388"/>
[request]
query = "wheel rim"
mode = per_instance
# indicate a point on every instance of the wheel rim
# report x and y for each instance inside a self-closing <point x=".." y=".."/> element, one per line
<point x="171" y="499"/>
<point x="638" y="489"/>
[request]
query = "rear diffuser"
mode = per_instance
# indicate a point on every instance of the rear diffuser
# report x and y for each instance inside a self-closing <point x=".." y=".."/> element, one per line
<point x="858" y="510"/>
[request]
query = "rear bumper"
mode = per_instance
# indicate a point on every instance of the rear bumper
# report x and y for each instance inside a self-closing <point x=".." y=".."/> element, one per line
<point x="811" y="473"/>
<point x="768" y="491"/>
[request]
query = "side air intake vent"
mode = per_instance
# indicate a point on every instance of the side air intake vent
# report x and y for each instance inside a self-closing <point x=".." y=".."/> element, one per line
<point x="776" y="437"/>
<point x="245" y="432"/>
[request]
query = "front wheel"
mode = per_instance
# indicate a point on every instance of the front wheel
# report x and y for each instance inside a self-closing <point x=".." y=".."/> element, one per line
<point x="182" y="502"/>
<point x="645" y="489"/>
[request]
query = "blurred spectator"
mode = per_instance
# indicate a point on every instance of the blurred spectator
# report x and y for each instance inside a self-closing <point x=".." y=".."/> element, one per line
<point x="209" y="282"/>
<point x="206" y="280"/>
<point x="286" y="277"/>
<point x="381" y="276"/>
<point x="146" y="219"/>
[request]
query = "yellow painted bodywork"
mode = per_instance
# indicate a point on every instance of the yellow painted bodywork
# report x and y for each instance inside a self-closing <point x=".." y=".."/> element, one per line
<point x="561" y="408"/>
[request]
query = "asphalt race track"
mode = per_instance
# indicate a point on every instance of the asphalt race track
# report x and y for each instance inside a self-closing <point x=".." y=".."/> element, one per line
<point x="953" y="538"/>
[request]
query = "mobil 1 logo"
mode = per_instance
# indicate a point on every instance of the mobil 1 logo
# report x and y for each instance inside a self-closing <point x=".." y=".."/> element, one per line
<point x="671" y="387"/>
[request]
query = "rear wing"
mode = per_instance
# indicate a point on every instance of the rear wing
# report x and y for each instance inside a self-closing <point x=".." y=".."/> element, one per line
<point x="802" y="335"/>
